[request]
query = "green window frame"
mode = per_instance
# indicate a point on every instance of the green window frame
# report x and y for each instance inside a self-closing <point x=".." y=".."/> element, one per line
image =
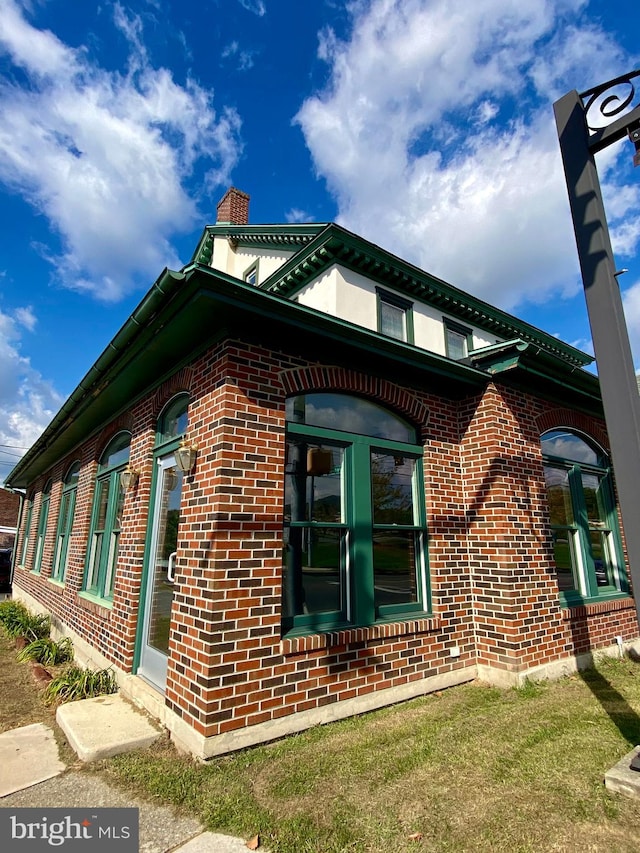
<point x="41" y="534"/>
<point x="65" y="522"/>
<point x="395" y="316"/>
<point x="458" y="339"/>
<point x="27" y="531"/>
<point x="355" y="516"/>
<point x="106" y="518"/>
<point x="172" y="421"/>
<point x="587" y="547"/>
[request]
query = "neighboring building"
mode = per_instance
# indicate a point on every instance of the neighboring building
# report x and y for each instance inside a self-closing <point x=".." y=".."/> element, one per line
<point x="9" y="509"/>
<point x="389" y="487"/>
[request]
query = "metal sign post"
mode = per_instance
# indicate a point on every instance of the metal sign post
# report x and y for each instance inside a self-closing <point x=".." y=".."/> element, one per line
<point x="581" y="137"/>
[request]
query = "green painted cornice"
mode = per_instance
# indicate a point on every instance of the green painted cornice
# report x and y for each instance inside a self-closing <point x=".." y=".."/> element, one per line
<point x="336" y="245"/>
<point x="291" y="237"/>
<point x="534" y="369"/>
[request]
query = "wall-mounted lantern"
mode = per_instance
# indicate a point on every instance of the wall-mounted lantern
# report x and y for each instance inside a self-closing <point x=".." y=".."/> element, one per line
<point x="129" y="478"/>
<point x="185" y="456"/>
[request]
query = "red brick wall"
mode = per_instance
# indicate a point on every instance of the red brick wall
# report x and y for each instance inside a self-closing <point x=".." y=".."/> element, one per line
<point x="490" y="562"/>
<point x="9" y="507"/>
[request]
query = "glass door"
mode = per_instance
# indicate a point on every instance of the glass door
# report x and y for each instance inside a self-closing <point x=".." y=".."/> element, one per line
<point x="159" y="573"/>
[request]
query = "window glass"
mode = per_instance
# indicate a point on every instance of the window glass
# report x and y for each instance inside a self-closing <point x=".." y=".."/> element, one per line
<point x="394" y="566"/>
<point x="65" y="521"/>
<point x="108" y="505"/>
<point x="173" y="421"/>
<point x="392" y="320"/>
<point x="582" y="516"/>
<point x="456" y="344"/>
<point x="558" y="495"/>
<point x="392" y="488"/>
<point x="354" y="515"/>
<point x="350" y="414"/>
<point x="117" y="452"/>
<point x="42" y="526"/>
<point x="568" y="445"/>
<point x="313" y="493"/>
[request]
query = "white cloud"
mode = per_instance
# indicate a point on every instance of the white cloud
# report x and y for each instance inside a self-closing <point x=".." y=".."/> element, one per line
<point x="25" y="317"/>
<point x="436" y="136"/>
<point x="255" y="6"/>
<point x="27" y="401"/>
<point x="105" y="155"/>
<point x="244" y="58"/>
<point x="296" y="214"/>
<point x="631" y="304"/>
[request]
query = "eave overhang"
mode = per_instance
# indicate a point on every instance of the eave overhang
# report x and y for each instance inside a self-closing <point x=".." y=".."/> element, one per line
<point x="524" y="365"/>
<point x="283" y="237"/>
<point x="187" y="312"/>
<point x="335" y="245"/>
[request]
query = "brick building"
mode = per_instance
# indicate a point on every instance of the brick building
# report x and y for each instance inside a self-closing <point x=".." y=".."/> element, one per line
<point x="307" y="479"/>
<point x="9" y="509"/>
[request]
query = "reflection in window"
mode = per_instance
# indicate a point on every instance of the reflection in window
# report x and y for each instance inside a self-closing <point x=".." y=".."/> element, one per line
<point x="349" y="414"/>
<point x="172" y="423"/>
<point x="582" y="515"/>
<point x="354" y="515"/>
<point x="106" y="521"/>
<point x="65" y="522"/>
<point x="42" y="526"/>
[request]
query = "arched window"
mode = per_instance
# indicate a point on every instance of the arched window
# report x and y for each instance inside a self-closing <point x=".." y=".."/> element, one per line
<point x="106" y="518"/>
<point x="65" y="522"/>
<point x="355" y="533"/>
<point x="172" y="423"/>
<point x="42" y="525"/>
<point x="586" y="545"/>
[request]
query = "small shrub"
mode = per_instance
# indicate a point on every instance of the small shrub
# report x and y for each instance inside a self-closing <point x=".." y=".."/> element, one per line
<point x="12" y="613"/>
<point x="79" y="683"/>
<point x="18" y="622"/>
<point x="47" y="651"/>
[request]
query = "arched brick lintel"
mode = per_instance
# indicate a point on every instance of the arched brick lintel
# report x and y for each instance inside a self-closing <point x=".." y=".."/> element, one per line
<point x="318" y="378"/>
<point x="180" y="383"/>
<point x="558" y="418"/>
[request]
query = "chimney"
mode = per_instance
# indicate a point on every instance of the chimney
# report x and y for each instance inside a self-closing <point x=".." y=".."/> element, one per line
<point x="233" y="208"/>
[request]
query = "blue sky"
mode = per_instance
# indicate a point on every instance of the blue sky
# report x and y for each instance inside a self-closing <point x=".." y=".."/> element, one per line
<point x="424" y="125"/>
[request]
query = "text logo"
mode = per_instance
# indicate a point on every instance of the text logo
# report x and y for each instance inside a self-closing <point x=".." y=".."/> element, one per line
<point x="69" y="830"/>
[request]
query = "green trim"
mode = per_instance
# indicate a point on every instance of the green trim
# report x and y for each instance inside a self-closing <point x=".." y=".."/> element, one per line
<point x="357" y="571"/>
<point x="160" y="451"/>
<point x="107" y="603"/>
<point x="458" y="329"/>
<point x="26" y="534"/>
<point x="188" y="313"/>
<point x="101" y="568"/>
<point x="336" y="245"/>
<point x="292" y="237"/>
<point x="404" y="305"/>
<point x="581" y="529"/>
<point x="56" y="582"/>
<point x="41" y="532"/>
<point x="184" y="314"/>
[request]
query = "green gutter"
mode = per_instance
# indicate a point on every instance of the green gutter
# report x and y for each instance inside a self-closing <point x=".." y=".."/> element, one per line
<point x="164" y="287"/>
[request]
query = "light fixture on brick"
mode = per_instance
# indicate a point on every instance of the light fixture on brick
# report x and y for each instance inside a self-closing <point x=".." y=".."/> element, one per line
<point x="186" y="457"/>
<point x="129" y="478"/>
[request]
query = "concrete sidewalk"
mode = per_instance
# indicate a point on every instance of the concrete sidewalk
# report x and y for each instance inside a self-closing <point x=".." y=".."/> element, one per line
<point x="32" y="774"/>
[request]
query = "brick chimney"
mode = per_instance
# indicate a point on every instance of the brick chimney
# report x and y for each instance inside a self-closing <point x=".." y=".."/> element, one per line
<point x="233" y="208"/>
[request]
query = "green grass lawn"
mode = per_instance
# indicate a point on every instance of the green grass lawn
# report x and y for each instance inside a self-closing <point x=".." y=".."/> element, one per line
<point x="472" y="768"/>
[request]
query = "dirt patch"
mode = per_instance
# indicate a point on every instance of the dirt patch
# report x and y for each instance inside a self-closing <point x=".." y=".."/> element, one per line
<point x="22" y="702"/>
